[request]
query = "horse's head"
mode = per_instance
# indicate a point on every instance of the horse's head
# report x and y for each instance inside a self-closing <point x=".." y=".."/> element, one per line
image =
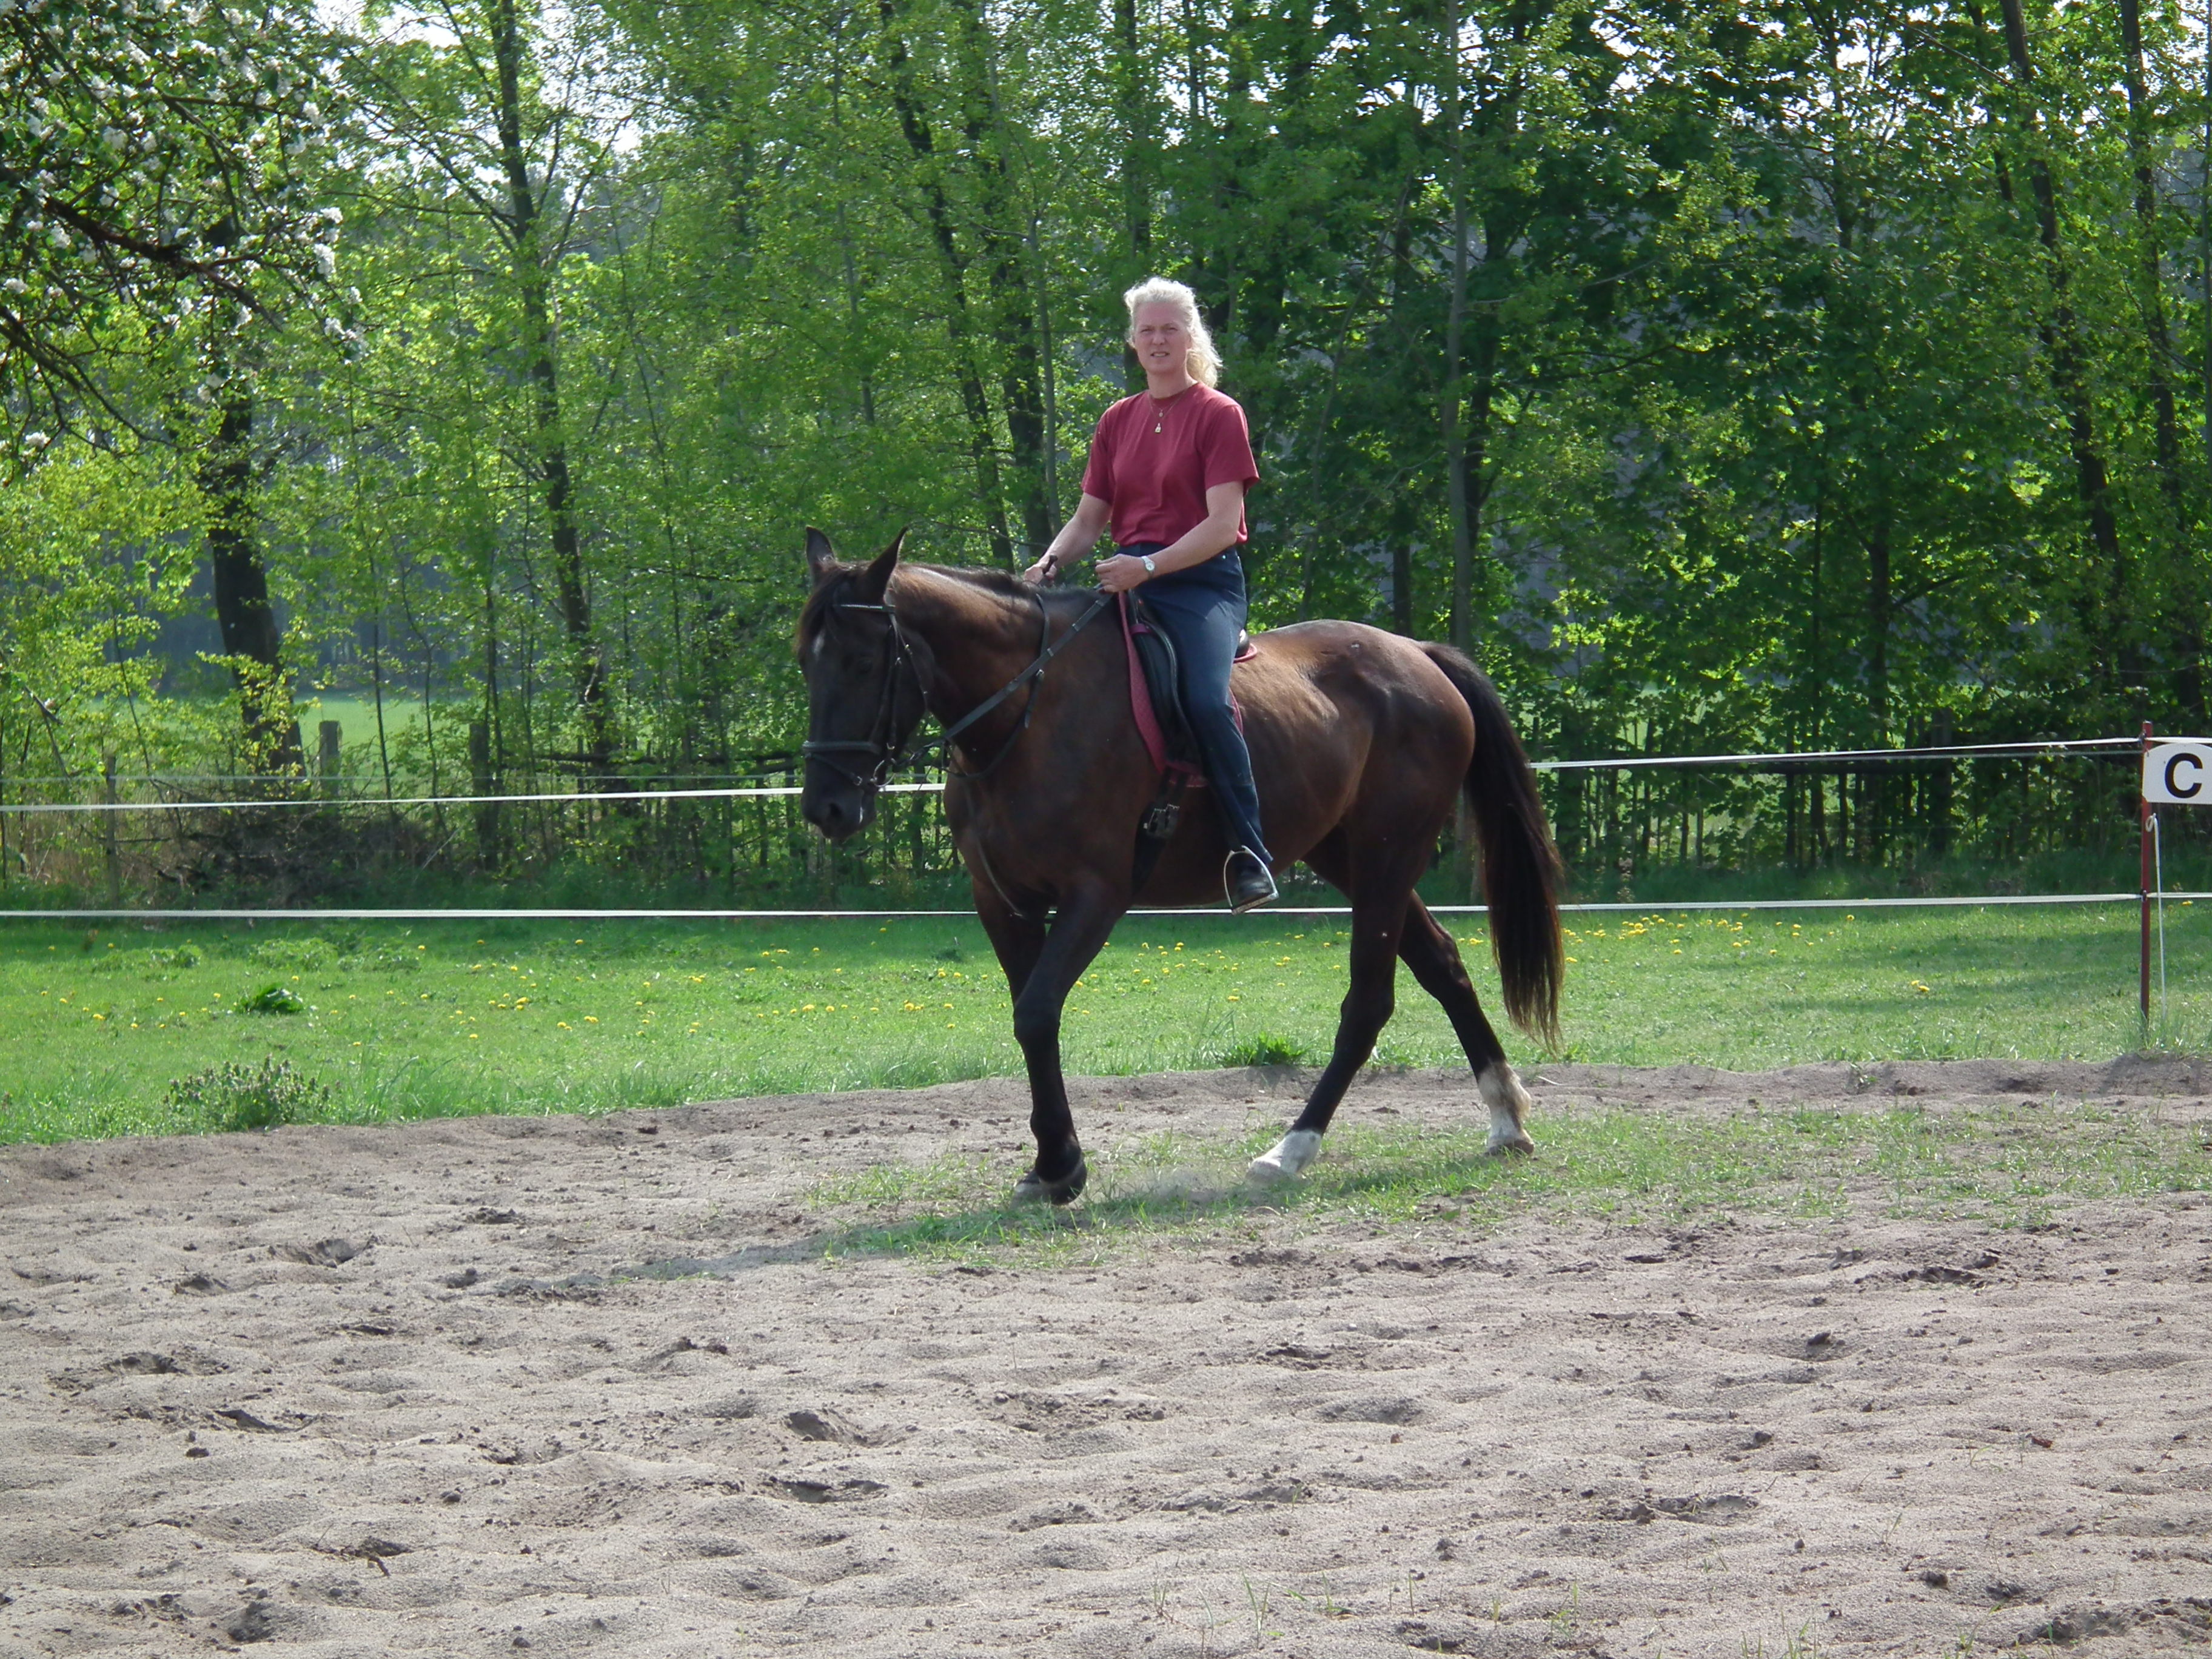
<point x="864" y="690"/>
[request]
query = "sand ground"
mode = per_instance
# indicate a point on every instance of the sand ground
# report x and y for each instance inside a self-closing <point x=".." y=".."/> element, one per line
<point x="403" y="1389"/>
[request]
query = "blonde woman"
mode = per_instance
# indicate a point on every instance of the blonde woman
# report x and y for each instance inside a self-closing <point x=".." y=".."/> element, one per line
<point x="1167" y="472"/>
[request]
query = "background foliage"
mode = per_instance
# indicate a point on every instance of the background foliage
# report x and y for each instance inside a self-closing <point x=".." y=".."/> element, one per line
<point x="1724" y="378"/>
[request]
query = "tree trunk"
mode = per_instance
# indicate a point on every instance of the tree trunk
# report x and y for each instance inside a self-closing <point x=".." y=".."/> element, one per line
<point x="228" y="473"/>
<point x="2189" y="687"/>
<point x="959" y="322"/>
<point x="2092" y="481"/>
<point x="1873" y="782"/>
<point x="541" y="351"/>
<point x="1014" y="307"/>
<point x="1455" y="478"/>
<point x="2204" y="247"/>
<point x="1132" y="107"/>
<point x="2152" y="279"/>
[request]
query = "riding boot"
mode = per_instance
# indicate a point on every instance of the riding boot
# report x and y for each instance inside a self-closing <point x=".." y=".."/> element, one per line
<point x="1249" y="883"/>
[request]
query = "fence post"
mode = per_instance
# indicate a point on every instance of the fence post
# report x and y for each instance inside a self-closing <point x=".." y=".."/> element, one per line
<point x="107" y="832"/>
<point x="2142" y="816"/>
<point x="329" y="738"/>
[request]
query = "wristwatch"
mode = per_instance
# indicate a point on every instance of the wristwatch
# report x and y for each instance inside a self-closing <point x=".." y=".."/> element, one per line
<point x="1150" y="569"/>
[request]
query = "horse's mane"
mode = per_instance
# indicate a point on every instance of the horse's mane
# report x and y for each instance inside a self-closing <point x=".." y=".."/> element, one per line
<point x="1000" y="584"/>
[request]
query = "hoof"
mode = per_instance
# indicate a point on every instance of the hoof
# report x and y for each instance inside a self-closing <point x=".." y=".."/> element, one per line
<point x="1287" y="1158"/>
<point x="1034" y="1188"/>
<point x="1509" y="1104"/>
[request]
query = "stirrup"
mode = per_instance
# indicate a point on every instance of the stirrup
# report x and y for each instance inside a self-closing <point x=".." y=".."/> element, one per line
<point x="1254" y="893"/>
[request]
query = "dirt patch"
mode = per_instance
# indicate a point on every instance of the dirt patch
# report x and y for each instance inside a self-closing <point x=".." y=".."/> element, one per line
<point x="445" y="1388"/>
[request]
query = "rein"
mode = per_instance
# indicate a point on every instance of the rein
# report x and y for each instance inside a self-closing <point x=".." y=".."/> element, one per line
<point x="887" y="754"/>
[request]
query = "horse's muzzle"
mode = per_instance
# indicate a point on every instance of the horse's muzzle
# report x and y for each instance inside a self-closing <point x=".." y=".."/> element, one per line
<point x="839" y="811"/>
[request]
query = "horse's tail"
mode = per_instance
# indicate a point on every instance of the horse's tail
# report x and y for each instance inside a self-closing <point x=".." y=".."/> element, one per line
<point x="1520" y="869"/>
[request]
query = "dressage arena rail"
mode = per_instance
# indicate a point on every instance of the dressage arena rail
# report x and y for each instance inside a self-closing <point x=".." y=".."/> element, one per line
<point x="307" y="785"/>
<point x="737" y="842"/>
<point x="479" y="914"/>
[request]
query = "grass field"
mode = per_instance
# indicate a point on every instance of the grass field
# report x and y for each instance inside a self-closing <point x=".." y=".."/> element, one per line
<point x="426" y="1020"/>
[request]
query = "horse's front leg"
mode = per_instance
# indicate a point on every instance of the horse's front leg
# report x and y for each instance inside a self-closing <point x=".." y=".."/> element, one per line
<point x="1041" y="979"/>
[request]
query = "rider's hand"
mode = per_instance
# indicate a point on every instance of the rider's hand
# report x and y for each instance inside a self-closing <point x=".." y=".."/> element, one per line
<point x="1044" y="570"/>
<point x="1121" y="574"/>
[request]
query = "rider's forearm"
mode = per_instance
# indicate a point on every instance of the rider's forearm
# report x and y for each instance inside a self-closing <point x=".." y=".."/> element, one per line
<point x="1214" y="533"/>
<point x="1078" y="535"/>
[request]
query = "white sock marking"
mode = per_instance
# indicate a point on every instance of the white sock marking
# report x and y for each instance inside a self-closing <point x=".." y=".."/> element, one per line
<point x="1501" y="1090"/>
<point x="1287" y="1158"/>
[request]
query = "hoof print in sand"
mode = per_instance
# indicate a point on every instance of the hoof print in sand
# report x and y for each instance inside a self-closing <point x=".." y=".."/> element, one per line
<point x="1393" y="1409"/>
<point x="1052" y="1515"/>
<point x="326" y="1253"/>
<point x="255" y="1622"/>
<point x="1724" y="1508"/>
<point x="826" y="1492"/>
<point x="822" y="1425"/>
<point x="1033" y="1412"/>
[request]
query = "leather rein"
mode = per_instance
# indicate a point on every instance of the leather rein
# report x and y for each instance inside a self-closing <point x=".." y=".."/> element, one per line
<point x="887" y="754"/>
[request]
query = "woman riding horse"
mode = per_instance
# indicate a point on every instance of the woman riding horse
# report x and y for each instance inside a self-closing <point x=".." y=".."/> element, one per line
<point x="1364" y="740"/>
<point x="1167" y="472"/>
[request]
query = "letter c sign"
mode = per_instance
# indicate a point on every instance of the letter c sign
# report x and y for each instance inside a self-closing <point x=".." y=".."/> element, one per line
<point x="2177" y="774"/>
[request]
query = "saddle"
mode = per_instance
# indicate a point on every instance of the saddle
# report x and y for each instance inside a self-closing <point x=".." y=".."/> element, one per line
<point x="1155" y="704"/>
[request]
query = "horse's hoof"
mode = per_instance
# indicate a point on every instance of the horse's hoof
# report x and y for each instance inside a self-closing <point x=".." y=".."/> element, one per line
<point x="1034" y="1188"/>
<point x="1516" y="1143"/>
<point x="1286" y="1160"/>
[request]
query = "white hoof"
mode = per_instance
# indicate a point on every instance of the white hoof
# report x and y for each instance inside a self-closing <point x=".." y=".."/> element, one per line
<point x="1507" y="1101"/>
<point x="1287" y="1158"/>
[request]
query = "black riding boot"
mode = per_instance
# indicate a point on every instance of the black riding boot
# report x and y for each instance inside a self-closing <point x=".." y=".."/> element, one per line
<point x="1246" y="876"/>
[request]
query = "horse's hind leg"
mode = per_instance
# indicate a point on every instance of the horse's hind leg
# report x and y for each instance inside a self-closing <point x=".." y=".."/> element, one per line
<point x="1433" y="956"/>
<point x="1368" y="1002"/>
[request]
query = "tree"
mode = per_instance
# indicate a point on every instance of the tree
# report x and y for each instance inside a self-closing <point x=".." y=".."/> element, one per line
<point x="155" y="161"/>
<point x="503" y="129"/>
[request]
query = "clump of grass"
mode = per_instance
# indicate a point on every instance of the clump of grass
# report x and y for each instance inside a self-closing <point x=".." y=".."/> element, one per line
<point x="1265" y="1048"/>
<point x="275" y="999"/>
<point x="233" y="1097"/>
<point x="295" y="953"/>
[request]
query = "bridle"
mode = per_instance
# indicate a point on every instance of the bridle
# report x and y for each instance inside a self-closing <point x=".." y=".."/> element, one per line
<point x="882" y="748"/>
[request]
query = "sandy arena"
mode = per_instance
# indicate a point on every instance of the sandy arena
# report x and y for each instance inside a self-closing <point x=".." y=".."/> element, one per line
<point x="342" y="1391"/>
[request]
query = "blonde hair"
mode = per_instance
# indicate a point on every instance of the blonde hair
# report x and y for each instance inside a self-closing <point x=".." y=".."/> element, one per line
<point x="1202" y="363"/>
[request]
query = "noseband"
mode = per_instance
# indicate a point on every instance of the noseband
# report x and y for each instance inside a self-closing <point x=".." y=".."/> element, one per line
<point x="882" y="748"/>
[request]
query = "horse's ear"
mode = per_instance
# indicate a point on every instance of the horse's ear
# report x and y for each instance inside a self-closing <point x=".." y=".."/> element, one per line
<point x="878" y="576"/>
<point x="821" y="557"/>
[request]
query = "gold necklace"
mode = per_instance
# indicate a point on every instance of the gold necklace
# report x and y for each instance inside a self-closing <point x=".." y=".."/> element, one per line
<point x="1160" y="410"/>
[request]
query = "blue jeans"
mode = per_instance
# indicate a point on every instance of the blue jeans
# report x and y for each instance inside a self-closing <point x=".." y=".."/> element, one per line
<point x="1201" y="610"/>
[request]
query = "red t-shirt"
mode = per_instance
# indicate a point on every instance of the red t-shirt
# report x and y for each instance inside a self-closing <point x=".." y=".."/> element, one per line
<point x="1156" y="481"/>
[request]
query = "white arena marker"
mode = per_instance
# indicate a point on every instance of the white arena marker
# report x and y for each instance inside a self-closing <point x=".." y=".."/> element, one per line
<point x="2178" y="775"/>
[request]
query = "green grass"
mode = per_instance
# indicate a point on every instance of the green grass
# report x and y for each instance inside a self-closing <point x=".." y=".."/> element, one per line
<point x="453" y="1018"/>
<point x="2008" y="1165"/>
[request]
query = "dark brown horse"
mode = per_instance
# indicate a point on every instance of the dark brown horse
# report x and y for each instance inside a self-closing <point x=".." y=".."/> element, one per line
<point x="1360" y="740"/>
